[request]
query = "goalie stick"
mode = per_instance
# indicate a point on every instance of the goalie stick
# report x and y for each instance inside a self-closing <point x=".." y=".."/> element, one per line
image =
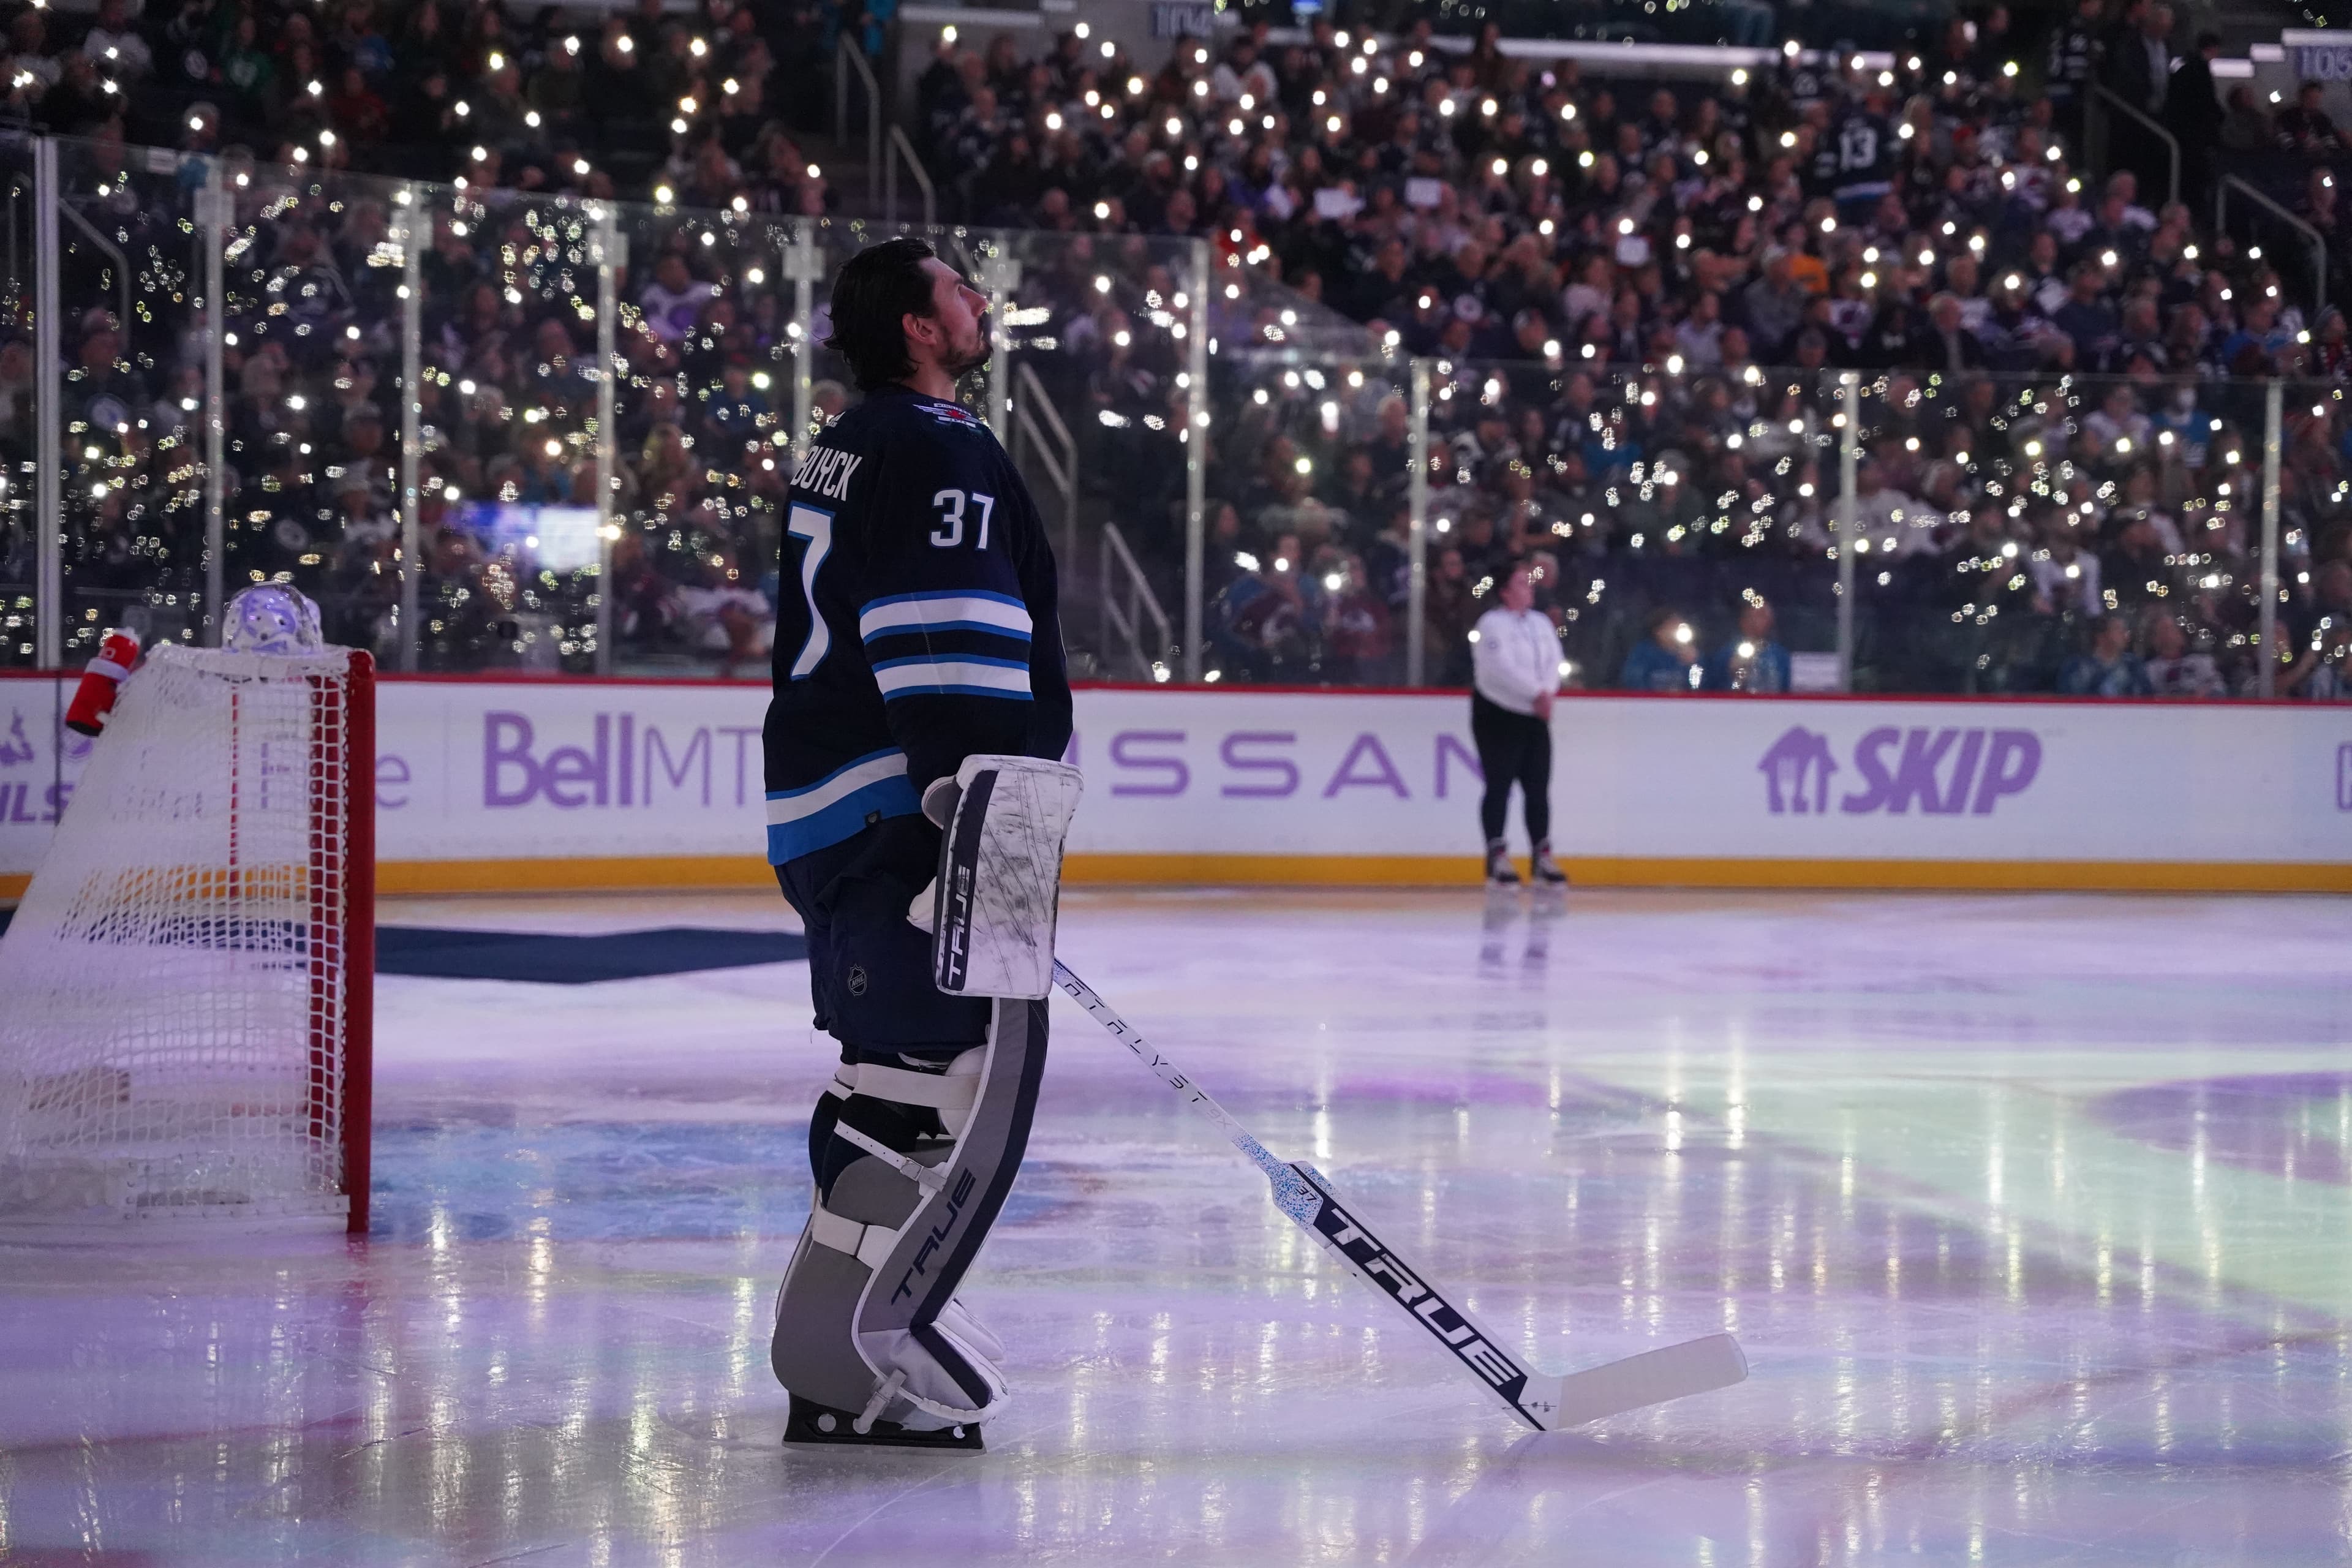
<point x="1547" y="1403"/>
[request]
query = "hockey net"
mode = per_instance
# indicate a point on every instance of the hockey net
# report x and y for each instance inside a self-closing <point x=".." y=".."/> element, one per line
<point x="185" y="990"/>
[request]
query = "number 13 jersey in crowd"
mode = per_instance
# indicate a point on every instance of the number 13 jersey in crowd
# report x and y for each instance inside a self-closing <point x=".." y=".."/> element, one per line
<point x="916" y="620"/>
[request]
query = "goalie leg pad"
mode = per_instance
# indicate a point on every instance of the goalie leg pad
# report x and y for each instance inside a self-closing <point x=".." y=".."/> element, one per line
<point x="1000" y="879"/>
<point x="866" y="1321"/>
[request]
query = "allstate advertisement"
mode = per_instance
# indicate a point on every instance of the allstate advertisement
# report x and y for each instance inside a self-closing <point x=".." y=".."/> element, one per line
<point x="646" y="783"/>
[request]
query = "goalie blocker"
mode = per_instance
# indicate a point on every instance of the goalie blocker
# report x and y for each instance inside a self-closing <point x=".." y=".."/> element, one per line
<point x="941" y="1011"/>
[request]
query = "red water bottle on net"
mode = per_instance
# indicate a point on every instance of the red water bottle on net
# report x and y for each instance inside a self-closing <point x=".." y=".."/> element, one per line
<point x="101" y="678"/>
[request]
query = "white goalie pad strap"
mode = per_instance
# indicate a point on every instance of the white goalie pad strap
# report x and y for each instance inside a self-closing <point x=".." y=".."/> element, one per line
<point x="1000" y="877"/>
<point x="939" y="1091"/>
<point x="869" y="1243"/>
<point x="915" y="1170"/>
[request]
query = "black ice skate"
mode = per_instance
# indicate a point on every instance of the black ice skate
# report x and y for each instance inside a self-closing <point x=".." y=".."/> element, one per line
<point x="810" y="1422"/>
<point x="1500" y="872"/>
<point x="1547" y="869"/>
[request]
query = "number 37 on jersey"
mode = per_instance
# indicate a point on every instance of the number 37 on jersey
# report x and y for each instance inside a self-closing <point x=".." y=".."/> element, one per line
<point x="961" y="517"/>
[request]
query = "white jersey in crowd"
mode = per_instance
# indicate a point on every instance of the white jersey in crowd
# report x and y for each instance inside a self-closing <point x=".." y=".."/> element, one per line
<point x="1515" y="659"/>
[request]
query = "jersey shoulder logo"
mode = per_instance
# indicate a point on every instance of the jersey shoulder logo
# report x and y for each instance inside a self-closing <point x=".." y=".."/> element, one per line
<point x="952" y="414"/>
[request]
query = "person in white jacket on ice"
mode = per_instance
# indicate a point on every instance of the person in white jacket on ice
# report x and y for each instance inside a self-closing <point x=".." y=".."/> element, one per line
<point x="1515" y="658"/>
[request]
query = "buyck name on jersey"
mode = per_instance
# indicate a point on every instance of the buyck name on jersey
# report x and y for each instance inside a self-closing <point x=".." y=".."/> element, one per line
<point x="827" y="470"/>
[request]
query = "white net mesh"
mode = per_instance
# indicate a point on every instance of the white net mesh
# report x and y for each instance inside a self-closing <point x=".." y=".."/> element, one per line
<point x="172" y="990"/>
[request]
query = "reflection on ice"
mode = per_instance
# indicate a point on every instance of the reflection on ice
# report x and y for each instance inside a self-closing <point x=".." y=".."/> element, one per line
<point x="2029" y="1213"/>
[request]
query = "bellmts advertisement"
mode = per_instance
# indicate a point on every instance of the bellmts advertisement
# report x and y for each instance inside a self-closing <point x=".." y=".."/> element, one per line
<point x="638" y="783"/>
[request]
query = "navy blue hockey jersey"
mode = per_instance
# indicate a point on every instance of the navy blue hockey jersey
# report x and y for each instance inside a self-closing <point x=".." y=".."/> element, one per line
<point x="917" y="623"/>
<point x="1868" y="147"/>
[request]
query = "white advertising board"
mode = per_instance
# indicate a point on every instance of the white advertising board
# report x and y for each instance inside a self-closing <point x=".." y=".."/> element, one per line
<point x="485" y="784"/>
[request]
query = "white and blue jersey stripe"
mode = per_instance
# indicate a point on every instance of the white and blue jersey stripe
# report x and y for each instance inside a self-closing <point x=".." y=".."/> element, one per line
<point x="854" y="796"/>
<point x="902" y="614"/>
<point x="917" y="621"/>
<point x="967" y="675"/>
<point x="948" y="645"/>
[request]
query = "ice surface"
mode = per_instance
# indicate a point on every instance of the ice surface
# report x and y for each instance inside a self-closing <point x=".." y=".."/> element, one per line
<point x="2034" y="1215"/>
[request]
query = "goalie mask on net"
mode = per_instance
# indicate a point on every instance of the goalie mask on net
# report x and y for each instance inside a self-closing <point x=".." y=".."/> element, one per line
<point x="271" y="617"/>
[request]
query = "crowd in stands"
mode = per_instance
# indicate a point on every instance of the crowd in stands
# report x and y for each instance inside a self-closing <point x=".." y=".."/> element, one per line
<point x="506" y="450"/>
<point x="1641" y="296"/>
<point x="317" y="107"/>
<point x="704" y="102"/>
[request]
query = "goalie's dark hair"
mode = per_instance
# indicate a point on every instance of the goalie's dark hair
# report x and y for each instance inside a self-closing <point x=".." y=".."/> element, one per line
<point x="873" y="294"/>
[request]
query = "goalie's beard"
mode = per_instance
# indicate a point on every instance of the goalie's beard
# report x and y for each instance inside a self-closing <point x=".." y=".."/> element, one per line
<point x="968" y="360"/>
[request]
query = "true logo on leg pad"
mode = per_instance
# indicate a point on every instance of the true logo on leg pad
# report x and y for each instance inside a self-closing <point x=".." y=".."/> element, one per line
<point x="938" y="1235"/>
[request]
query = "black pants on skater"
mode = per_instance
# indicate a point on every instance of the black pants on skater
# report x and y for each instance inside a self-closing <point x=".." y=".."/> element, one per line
<point x="1513" y="748"/>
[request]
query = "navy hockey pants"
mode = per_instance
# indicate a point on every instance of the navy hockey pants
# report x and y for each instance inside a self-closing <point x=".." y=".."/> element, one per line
<point x="869" y="971"/>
